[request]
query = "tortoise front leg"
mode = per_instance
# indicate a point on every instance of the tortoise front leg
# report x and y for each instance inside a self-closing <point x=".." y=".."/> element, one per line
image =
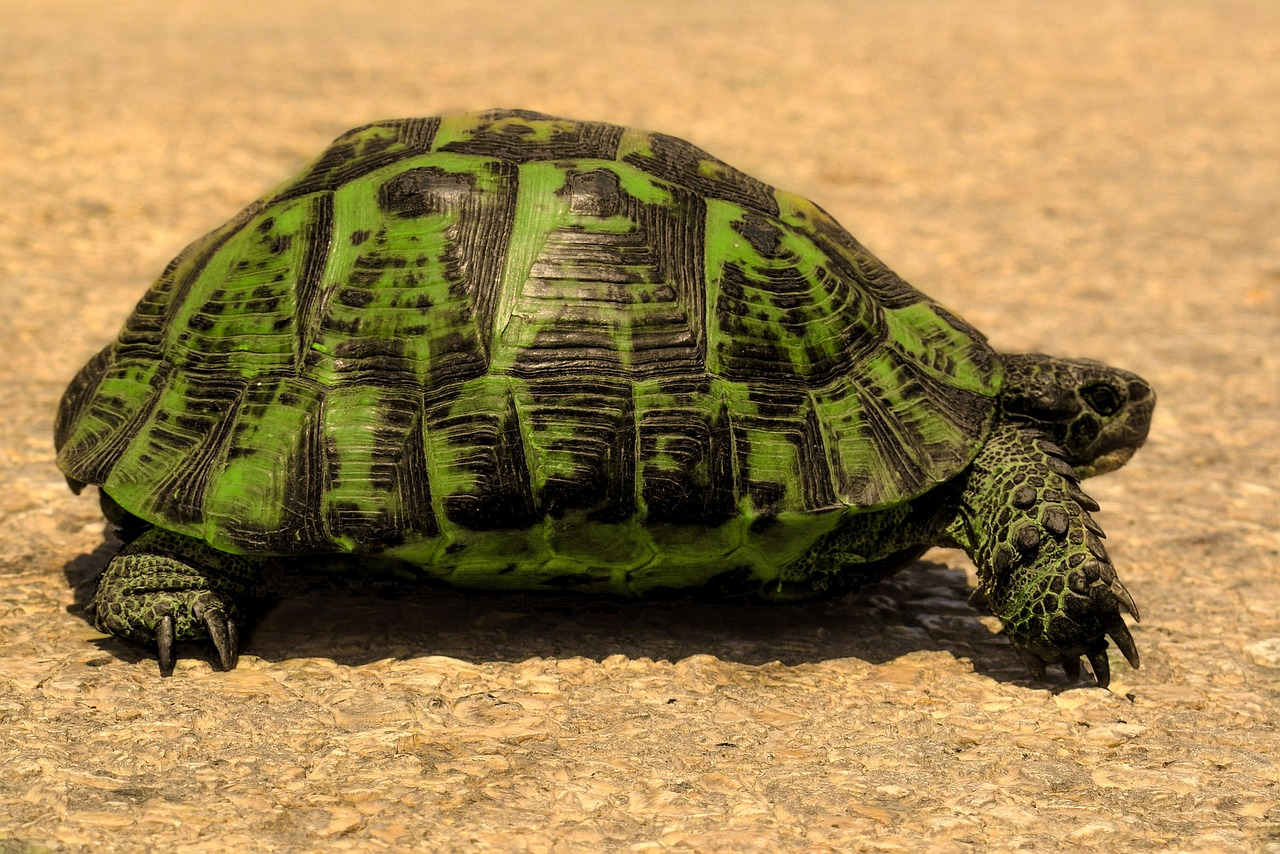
<point x="1042" y="567"/>
<point x="164" y="587"/>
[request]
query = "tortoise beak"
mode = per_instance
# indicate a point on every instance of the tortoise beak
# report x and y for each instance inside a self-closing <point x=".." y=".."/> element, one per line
<point x="1123" y="436"/>
<point x="1108" y="461"/>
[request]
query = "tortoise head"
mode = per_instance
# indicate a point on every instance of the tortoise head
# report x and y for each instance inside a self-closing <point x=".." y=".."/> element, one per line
<point x="1098" y="414"/>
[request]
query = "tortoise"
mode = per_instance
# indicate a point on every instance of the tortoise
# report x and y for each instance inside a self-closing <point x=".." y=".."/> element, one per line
<point x="517" y="352"/>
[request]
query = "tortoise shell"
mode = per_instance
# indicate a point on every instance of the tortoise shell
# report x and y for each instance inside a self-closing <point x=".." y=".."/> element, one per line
<point x="489" y="321"/>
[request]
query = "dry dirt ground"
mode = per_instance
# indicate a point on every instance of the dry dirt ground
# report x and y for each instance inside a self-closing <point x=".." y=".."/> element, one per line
<point x="1094" y="178"/>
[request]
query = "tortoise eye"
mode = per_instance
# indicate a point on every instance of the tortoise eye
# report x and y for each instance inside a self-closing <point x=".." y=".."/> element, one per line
<point x="1102" y="399"/>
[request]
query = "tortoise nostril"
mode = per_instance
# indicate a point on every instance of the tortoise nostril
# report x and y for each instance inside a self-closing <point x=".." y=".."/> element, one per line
<point x="1139" y="391"/>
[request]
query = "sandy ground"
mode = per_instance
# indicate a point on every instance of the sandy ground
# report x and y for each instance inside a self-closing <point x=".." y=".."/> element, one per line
<point x="1094" y="178"/>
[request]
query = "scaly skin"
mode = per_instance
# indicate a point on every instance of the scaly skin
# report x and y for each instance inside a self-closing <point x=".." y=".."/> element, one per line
<point x="1043" y="570"/>
<point x="164" y="587"/>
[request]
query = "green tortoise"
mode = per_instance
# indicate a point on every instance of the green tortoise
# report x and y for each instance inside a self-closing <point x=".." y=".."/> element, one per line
<point x="517" y="352"/>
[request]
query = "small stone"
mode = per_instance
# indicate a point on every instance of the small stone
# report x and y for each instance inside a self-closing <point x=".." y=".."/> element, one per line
<point x="1091" y="831"/>
<point x="1265" y="653"/>
<point x="1113" y="735"/>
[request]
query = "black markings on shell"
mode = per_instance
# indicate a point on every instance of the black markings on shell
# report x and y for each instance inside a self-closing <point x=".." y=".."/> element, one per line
<point x="693" y="480"/>
<point x="596" y="193"/>
<point x="423" y="191"/>
<point x="684" y="165"/>
<point x="502" y="496"/>
<point x="508" y="135"/>
<point x="361" y="151"/>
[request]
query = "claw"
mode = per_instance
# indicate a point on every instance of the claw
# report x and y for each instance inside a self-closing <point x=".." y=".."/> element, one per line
<point x="1033" y="663"/>
<point x="1119" y="591"/>
<point x="165" y="639"/>
<point x="1050" y="447"/>
<point x="1119" y="634"/>
<point x="225" y="637"/>
<point x="1071" y="667"/>
<point x="1063" y="468"/>
<point x="233" y="633"/>
<point x="978" y="599"/>
<point x="1101" y="667"/>
<point x="1082" y="499"/>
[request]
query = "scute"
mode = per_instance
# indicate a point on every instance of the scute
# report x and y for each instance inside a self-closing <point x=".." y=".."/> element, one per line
<point x="502" y="320"/>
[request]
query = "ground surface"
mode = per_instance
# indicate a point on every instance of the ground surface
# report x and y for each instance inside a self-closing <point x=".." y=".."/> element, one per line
<point x="1093" y="178"/>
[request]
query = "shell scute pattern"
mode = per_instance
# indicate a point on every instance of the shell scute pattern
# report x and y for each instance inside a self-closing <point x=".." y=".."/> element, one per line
<point x="503" y="320"/>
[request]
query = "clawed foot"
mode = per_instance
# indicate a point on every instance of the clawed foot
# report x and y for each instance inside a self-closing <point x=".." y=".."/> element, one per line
<point x="164" y="588"/>
<point x="161" y="618"/>
<point x="223" y="633"/>
<point x="1096" y="652"/>
<point x="1090" y="615"/>
<point x="1077" y="617"/>
<point x="1080" y="616"/>
<point x="1065" y="622"/>
<point x="1044" y="570"/>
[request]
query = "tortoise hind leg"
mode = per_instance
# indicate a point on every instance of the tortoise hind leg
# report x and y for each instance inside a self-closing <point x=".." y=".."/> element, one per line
<point x="164" y="587"/>
<point x="1043" y="569"/>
